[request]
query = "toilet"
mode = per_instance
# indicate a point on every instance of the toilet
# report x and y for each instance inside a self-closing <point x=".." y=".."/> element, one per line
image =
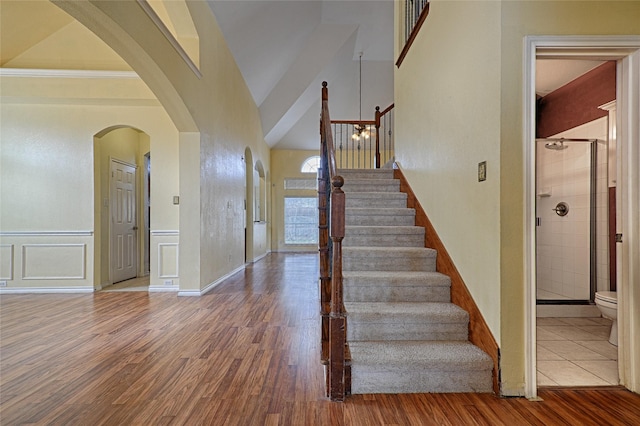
<point x="607" y="302"/>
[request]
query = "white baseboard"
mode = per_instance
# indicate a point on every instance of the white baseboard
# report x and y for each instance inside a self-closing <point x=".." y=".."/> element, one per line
<point x="262" y="256"/>
<point x="210" y="286"/>
<point x="164" y="289"/>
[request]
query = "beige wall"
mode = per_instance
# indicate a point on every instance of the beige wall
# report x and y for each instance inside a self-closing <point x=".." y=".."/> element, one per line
<point x="448" y="121"/>
<point x="458" y="102"/>
<point x="216" y="117"/>
<point x="49" y="166"/>
<point x="286" y="164"/>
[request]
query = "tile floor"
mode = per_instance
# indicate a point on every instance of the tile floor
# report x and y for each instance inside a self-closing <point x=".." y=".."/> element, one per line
<point x="576" y="352"/>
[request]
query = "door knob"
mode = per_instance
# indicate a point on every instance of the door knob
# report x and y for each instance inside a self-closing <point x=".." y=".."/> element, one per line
<point x="562" y="209"/>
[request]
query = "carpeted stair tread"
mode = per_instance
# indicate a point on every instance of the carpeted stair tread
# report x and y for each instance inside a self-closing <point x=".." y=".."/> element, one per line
<point x="388" y="259"/>
<point x="399" y="252"/>
<point x="383" y="236"/>
<point x="440" y="355"/>
<point x="394" y="211"/>
<point x="383" y="229"/>
<point x="401" y="286"/>
<point x="419" y="311"/>
<point x="371" y="185"/>
<point x="351" y="174"/>
<point x="398" y="278"/>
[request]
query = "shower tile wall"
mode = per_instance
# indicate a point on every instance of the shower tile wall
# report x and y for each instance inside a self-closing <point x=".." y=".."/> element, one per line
<point x="563" y="253"/>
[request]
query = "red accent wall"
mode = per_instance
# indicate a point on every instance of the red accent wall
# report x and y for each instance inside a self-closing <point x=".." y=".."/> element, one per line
<point x="576" y="102"/>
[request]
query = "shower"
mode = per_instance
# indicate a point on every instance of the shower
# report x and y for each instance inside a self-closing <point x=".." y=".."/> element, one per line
<point x="556" y="145"/>
<point x="567" y="219"/>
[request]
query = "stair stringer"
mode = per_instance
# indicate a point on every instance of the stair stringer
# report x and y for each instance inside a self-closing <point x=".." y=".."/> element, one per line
<point x="479" y="333"/>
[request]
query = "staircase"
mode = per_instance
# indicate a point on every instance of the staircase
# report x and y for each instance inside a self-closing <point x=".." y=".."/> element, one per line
<point x="404" y="334"/>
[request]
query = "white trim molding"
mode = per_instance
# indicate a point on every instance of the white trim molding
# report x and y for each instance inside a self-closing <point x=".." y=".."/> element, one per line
<point x="211" y="285"/>
<point x="46" y="233"/>
<point x="625" y="50"/>
<point x="164" y="289"/>
<point x="52" y="73"/>
<point x="46" y="290"/>
<point x="164" y="233"/>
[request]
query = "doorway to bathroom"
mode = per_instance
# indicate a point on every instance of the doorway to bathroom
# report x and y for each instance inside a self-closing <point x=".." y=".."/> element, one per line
<point x="625" y="50"/>
<point x="574" y="151"/>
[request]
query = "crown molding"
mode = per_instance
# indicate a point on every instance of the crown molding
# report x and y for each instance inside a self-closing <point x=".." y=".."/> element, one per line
<point x="53" y="73"/>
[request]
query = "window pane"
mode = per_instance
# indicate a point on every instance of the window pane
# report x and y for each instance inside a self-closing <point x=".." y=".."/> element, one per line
<point x="311" y="165"/>
<point x="300" y="220"/>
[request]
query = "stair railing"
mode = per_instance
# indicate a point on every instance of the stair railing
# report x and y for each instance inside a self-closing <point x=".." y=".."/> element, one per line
<point x="369" y="148"/>
<point x="331" y="215"/>
<point x="415" y="13"/>
<point x="384" y="136"/>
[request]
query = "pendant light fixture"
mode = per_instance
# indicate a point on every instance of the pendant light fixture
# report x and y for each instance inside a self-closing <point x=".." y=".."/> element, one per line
<point x="360" y="131"/>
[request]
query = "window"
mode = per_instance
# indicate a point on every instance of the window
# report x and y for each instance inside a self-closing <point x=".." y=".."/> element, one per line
<point x="300" y="183"/>
<point x="311" y="165"/>
<point x="300" y="220"/>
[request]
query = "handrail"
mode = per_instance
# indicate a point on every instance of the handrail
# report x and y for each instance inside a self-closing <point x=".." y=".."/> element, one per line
<point x="415" y="13"/>
<point x="331" y="206"/>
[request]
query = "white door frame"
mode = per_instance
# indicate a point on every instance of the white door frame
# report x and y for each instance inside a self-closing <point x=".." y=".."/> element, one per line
<point x="626" y="50"/>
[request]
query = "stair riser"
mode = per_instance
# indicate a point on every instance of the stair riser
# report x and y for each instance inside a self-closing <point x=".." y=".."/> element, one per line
<point x="365" y="174"/>
<point x="378" y="220"/>
<point x="409" y="263"/>
<point x="373" y="380"/>
<point x="383" y="186"/>
<point x="384" y="240"/>
<point x="396" y="294"/>
<point x="366" y="330"/>
<point x="382" y="202"/>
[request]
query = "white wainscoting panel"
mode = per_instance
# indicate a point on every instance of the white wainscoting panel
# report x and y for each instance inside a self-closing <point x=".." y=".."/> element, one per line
<point x="6" y="261"/>
<point x="168" y="260"/>
<point x="54" y="261"/>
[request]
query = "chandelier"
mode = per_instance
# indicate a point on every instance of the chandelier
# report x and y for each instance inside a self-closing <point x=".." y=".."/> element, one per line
<point x="360" y="131"/>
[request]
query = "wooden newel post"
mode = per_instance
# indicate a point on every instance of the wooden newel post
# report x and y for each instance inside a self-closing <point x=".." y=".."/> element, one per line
<point x="337" y="318"/>
<point x="324" y="190"/>
<point x="377" y="137"/>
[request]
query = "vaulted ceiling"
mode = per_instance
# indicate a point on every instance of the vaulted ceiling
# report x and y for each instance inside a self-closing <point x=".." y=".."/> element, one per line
<point x="284" y="49"/>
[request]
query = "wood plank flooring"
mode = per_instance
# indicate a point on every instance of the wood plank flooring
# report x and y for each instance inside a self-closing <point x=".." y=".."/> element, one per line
<point x="246" y="353"/>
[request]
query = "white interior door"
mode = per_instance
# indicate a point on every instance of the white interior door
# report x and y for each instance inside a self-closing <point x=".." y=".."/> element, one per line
<point x="124" y="229"/>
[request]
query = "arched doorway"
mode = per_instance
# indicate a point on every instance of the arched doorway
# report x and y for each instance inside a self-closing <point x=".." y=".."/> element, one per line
<point x="121" y="183"/>
<point x="248" y="206"/>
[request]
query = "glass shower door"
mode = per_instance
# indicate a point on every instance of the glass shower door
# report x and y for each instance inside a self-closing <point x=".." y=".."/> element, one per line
<point x="564" y="210"/>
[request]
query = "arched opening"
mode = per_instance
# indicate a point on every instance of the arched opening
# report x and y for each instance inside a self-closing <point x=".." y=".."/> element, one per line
<point x="248" y="206"/>
<point x="122" y="204"/>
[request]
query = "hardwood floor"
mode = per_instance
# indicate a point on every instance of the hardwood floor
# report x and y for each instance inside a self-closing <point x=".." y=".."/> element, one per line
<point x="246" y="353"/>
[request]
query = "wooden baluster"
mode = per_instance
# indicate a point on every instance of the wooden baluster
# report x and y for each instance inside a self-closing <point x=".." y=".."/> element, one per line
<point x="323" y="240"/>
